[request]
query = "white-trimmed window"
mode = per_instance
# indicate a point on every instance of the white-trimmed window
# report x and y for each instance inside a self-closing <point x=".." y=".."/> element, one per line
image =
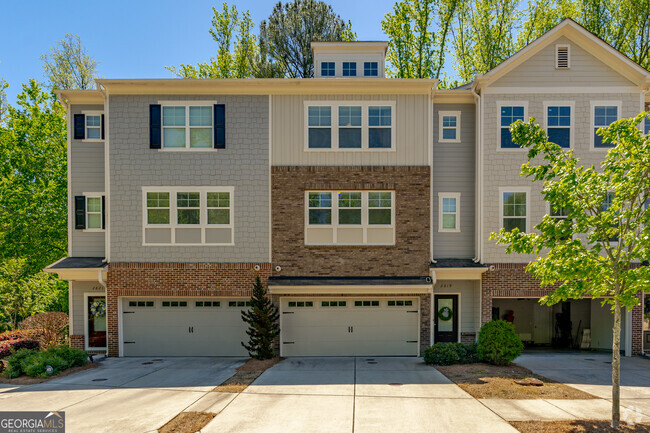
<point x="449" y="212"/>
<point x="449" y="127"/>
<point x="514" y="208"/>
<point x="187" y="125"/>
<point x="349" y="218"/>
<point x="327" y="69"/>
<point x="562" y="56"/>
<point x="559" y="123"/>
<point x="94" y="212"/>
<point x="93" y="125"/>
<point x="188" y="215"/>
<point x="558" y="213"/>
<point x="603" y="114"/>
<point x="349" y="125"/>
<point x="370" y="69"/>
<point x="509" y="113"/>
<point x="349" y="69"/>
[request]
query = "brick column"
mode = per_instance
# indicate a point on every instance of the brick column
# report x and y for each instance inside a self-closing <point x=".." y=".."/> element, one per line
<point x="425" y="322"/>
<point x="77" y="342"/>
<point x="637" y="327"/>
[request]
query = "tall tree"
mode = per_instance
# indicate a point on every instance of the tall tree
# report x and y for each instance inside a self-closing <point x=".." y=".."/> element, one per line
<point x="418" y="33"/>
<point x="263" y="321"/>
<point x="68" y="65"/>
<point x="3" y="100"/>
<point x="597" y="250"/>
<point x="292" y="27"/>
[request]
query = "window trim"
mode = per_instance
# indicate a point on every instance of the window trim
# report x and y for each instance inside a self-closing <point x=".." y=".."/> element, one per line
<point x="504" y="189"/>
<point x="335" y="125"/>
<point x="592" y="120"/>
<point x="187" y="105"/>
<point x="334" y="225"/>
<point x="87" y="113"/>
<point x="441" y="114"/>
<point x="348" y="64"/>
<point x="322" y="63"/>
<point x="568" y="47"/>
<point x="570" y="104"/>
<point x="98" y="195"/>
<point x="370" y="68"/>
<point x="173" y="216"/>
<point x="513" y="103"/>
<point x="441" y="196"/>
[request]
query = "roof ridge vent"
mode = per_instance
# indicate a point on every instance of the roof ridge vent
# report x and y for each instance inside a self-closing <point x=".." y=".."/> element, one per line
<point x="562" y="57"/>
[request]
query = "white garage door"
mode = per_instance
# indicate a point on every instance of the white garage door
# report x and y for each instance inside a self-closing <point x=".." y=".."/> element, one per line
<point x="350" y="327"/>
<point x="183" y="327"/>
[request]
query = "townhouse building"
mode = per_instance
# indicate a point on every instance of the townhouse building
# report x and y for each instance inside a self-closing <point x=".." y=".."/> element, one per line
<point x="364" y="203"/>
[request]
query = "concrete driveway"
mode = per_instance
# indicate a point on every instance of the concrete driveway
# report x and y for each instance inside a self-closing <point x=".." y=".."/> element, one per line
<point x="123" y="394"/>
<point x="354" y="395"/>
<point x="592" y="373"/>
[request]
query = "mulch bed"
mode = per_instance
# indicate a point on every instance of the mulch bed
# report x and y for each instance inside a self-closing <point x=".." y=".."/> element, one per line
<point x="490" y="381"/>
<point x="29" y="380"/>
<point x="187" y="422"/>
<point x="246" y="374"/>
<point x="577" y="427"/>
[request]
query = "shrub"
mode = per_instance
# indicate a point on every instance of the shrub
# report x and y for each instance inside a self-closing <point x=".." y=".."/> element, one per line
<point x="498" y="343"/>
<point x="450" y="353"/>
<point x="11" y="341"/>
<point x="34" y="363"/>
<point x="49" y="327"/>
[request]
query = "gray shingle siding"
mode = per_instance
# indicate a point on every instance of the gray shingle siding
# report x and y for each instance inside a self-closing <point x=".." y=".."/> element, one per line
<point x="244" y="164"/>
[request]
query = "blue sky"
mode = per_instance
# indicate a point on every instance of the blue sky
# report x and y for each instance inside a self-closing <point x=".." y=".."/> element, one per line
<point x="137" y="38"/>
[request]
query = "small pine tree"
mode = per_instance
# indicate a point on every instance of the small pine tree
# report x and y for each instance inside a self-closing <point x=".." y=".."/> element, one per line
<point x="263" y="323"/>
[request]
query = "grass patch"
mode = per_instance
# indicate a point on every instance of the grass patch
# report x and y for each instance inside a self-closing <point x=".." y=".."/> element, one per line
<point x="246" y="374"/>
<point x="491" y="381"/>
<point x="577" y="427"/>
<point x="29" y="380"/>
<point x="187" y="422"/>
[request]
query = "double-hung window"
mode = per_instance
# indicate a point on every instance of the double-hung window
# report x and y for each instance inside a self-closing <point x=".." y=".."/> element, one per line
<point x="604" y="114"/>
<point x="559" y="213"/>
<point x="370" y="69"/>
<point x="449" y="126"/>
<point x="514" y="209"/>
<point x="558" y="125"/>
<point x="187" y="126"/>
<point x="449" y="215"/>
<point x="94" y="211"/>
<point x="349" y="69"/>
<point x="509" y="114"/>
<point x="327" y="69"/>
<point x="349" y="218"/>
<point x="188" y="215"/>
<point x="349" y="125"/>
<point x="93" y="126"/>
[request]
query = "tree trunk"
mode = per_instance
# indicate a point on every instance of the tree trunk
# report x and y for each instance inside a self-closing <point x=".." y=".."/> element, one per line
<point x="616" y="366"/>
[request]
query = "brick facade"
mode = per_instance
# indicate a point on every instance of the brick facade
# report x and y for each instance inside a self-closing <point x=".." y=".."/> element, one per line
<point x="409" y="256"/>
<point x="468" y="337"/>
<point x="510" y="280"/>
<point x="176" y="279"/>
<point x="77" y="342"/>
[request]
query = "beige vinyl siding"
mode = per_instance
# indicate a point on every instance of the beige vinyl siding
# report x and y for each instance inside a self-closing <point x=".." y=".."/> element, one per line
<point x="469" y="300"/>
<point x="410" y="121"/>
<point x="86" y="175"/>
<point x="585" y="70"/>
<point x="454" y="171"/>
<point x="502" y="167"/>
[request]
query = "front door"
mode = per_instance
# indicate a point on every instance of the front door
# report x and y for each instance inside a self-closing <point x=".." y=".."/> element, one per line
<point x="446" y="318"/>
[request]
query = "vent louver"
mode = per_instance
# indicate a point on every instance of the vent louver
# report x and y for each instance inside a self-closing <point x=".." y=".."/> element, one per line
<point x="562" y="57"/>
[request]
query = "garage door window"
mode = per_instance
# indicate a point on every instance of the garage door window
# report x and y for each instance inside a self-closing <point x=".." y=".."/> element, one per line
<point x="366" y="303"/>
<point x="207" y="304"/>
<point x="174" y="303"/>
<point x="239" y="303"/>
<point x="141" y="303"/>
<point x="299" y="304"/>
<point x="333" y="303"/>
<point x="400" y="303"/>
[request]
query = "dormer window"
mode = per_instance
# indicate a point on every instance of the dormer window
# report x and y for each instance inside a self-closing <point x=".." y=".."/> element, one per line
<point x="370" y="69"/>
<point x="327" y="69"/>
<point x="349" y="69"/>
<point x="562" y="57"/>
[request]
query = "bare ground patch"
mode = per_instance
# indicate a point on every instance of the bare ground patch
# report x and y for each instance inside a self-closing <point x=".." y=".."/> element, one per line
<point x="490" y="381"/>
<point x="29" y="380"/>
<point x="577" y="427"/>
<point x="187" y="422"/>
<point x="246" y="374"/>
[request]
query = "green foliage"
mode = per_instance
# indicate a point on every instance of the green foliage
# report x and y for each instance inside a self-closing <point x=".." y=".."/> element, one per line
<point x="498" y="343"/>
<point x="68" y="65"/>
<point x="290" y="29"/>
<point x="451" y="353"/>
<point x="3" y="100"/>
<point x="34" y="363"/>
<point x="263" y="321"/>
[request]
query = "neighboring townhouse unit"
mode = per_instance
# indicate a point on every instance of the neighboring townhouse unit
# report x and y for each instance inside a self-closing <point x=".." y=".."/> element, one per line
<point x="364" y="203"/>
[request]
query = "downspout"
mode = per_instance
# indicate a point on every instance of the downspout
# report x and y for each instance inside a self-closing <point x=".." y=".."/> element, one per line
<point x="100" y="278"/>
<point x="479" y="194"/>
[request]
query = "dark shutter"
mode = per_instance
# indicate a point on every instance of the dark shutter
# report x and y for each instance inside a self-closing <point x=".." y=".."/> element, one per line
<point x="79" y="126"/>
<point x="79" y="212"/>
<point x="155" y="126"/>
<point x="102" y="126"/>
<point x="219" y="126"/>
<point x="103" y="211"/>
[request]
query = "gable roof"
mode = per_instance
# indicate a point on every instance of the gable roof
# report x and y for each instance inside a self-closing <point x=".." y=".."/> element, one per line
<point x="578" y="34"/>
